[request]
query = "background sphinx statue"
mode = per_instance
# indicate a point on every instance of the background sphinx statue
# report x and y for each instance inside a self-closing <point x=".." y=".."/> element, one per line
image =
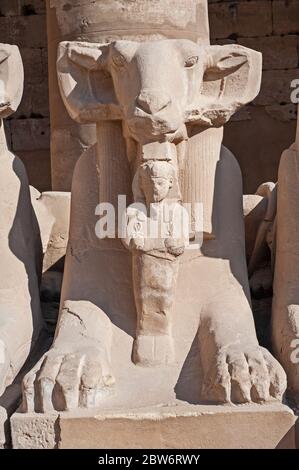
<point x="285" y="311"/>
<point x="20" y="246"/>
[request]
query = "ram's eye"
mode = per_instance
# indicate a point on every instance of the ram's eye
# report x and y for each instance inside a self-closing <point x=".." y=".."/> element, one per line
<point x="3" y="57"/>
<point x="119" y="60"/>
<point x="191" y="61"/>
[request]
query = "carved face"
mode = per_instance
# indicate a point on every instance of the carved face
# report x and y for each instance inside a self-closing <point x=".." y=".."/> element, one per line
<point x="160" y="188"/>
<point x="157" y="87"/>
<point x="155" y="82"/>
<point x="156" y="180"/>
<point x="11" y="79"/>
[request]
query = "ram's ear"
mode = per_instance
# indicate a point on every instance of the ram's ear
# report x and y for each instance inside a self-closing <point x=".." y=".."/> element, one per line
<point x="85" y="83"/>
<point x="232" y="78"/>
<point x="11" y="79"/>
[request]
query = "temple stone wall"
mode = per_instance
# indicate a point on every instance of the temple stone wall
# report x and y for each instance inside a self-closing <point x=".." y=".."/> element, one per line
<point x="260" y="132"/>
<point x="23" y="22"/>
<point x="257" y="136"/>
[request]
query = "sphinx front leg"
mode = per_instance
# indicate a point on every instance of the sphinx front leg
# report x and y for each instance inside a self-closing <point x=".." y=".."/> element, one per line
<point x="235" y="368"/>
<point x="154" y="287"/>
<point x="76" y="371"/>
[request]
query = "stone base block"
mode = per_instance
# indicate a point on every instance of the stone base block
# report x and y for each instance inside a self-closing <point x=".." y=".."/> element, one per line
<point x="12" y="397"/>
<point x="35" y="431"/>
<point x="172" y="427"/>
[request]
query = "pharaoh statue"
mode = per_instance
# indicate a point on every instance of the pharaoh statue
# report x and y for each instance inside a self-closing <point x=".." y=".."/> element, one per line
<point x="155" y="250"/>
<point x="155" y="313"/>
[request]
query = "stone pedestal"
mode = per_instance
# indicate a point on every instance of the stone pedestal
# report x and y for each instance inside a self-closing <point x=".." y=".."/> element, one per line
<point x="12" y="397"/>
<point x="103" y="21"/>
<point x="180" y="426"/>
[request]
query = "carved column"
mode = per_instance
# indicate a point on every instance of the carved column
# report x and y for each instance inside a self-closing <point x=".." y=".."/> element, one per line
<point x="102" y="21"/>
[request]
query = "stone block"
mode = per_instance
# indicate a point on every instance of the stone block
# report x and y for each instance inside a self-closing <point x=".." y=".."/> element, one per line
<point x="11" y="398"/>
<point x="33" y="7"/>
<point x="24" y="31"/>
<point x="38" y="167"/>
<point x="181" y="426"/>
<point x="286" y="112"/>
<point x="254" y="18"/>
<point x="44" y="53"/>
<point x="221" y="20"/>
<point x="30" y="134"/>
<point x="53" y="214"/>
<point x="276" y="87"/>
<point x="285" y="16"/>
<point x="279" y="52"/>
<point x="34" y="432"/>
<point x="259" y="163"/>
<point x="248" y="19"/>
<point x="35" y="101"/>
<point x="33" y="65"/>
<point x="10" y="7"/>
<point x="242" y="115"/>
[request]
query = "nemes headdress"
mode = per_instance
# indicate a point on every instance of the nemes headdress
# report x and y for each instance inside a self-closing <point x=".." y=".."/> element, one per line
<point x="157" y="169"/>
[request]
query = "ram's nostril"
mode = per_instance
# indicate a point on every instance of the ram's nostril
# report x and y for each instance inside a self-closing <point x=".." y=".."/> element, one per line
<point x="152" y="102"/>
